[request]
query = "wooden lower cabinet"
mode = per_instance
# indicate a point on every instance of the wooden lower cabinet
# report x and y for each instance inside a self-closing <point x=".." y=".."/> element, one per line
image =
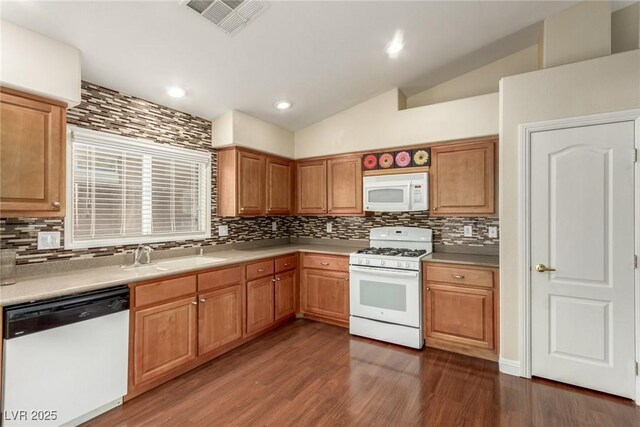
<point x="165" y="338"/>
<point x="326" y="294"/>
<point x="460" y="310"/>
<point x="260" y="304"/>
<point x="285" y="294"/>
<point x="460" y="315"/>
<point x="220" y="318"/>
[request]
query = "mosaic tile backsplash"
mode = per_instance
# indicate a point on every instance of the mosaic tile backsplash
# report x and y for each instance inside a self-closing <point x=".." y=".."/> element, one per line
<point x="106" y="110"/>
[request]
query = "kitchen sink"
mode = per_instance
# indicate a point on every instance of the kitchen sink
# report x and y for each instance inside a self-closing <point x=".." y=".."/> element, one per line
<point x="193" y="261"/>
<point x="143" y="268"/>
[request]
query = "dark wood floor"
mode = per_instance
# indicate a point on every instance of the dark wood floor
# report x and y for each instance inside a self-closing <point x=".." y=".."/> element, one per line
<point x="309" y="374"/>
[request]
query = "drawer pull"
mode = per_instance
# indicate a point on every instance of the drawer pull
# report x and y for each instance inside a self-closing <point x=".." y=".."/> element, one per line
<point x="286" y="264"/>
<point x="324" y="263"/>
<point x="457" y="276"/>
<point x="260" y="270"/>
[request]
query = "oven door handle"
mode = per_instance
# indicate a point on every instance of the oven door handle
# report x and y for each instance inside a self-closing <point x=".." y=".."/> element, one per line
<point x="383" y="271"/>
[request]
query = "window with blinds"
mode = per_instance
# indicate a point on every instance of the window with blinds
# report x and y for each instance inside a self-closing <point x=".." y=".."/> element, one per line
<point x="124" y="191"/>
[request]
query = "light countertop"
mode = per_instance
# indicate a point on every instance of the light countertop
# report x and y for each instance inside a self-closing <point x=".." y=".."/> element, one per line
<point x="33" y="288"/>
<point x="57" y="284"/>
<point x="467" y="259"/>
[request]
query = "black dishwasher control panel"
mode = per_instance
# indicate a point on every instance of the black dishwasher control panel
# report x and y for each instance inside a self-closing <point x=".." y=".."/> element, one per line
<point x="32" y="317"/>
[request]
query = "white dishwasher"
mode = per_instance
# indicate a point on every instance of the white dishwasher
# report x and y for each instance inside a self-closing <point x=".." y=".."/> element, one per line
<point x="65" y="359"/>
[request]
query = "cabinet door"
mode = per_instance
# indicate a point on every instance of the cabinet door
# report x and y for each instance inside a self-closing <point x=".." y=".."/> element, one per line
<point x="260" y="305"/>
<point x="311" y="187"/>
<point x="164" y="339"/>
<point x="344" y="185"/>
<point x="463" y="178"/>
<point x="326" y="293"/>
<point x="220" y="318"/>
<point x="32" y="156"/>
<point x="285" y="294"/>
<point x="460" y="315"/>
<point x="279" y="186"/>
<point x="251" y="184"/>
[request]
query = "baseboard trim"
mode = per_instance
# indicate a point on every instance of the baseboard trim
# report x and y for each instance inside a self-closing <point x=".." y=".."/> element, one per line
<point x="509" y="367"/>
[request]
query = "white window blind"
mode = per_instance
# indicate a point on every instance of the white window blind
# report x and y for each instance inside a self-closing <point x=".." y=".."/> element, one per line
<point x="123" y="191"/>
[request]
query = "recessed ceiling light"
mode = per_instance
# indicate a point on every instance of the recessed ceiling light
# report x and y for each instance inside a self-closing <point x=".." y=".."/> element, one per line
<point x="396" y="45"/>
<point x="283" y="105"/>
<point x="176" y="92"/>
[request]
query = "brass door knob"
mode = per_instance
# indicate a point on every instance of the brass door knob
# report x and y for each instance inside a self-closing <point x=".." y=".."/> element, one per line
<point x="56" y="205"/>
<point x="541" y="268"/>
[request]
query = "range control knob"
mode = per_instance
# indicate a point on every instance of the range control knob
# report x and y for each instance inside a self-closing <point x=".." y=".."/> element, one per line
<point x="399" y="263"/>
<point x="382" y="262"/>
<point x="367" y="261"/>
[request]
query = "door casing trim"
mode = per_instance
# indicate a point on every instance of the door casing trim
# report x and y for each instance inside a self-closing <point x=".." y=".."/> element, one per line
<point x="525" y="131"/>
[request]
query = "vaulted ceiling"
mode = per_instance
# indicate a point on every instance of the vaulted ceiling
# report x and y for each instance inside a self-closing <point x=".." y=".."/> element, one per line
<point x="324" y="56"/>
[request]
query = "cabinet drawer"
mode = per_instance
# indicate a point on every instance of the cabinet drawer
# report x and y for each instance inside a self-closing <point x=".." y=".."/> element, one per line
<point x="285" y="263"/>
<point x="460" y="275"/>
<point x="326" y="262"/>
<point x="164" y="290"/>
<point x="219" y="278"/>
<point x="259" y="269"/>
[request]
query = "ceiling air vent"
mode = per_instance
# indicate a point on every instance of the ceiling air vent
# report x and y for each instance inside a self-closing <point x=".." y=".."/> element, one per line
<point x="229" y="15"/>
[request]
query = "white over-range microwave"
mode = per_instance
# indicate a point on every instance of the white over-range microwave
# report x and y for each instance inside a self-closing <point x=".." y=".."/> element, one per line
<point x="396" y="193"/>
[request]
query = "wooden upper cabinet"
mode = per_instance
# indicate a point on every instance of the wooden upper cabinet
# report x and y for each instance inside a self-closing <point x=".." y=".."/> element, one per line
<point x="311" y="187"/>
<point x="463" y="178"/>
<point x="251" y="183"/>
<point x="279" y="186"/>
<point x="344" y="185"/>
<point x="32" y="155"/>
<point x="164" y="339"/>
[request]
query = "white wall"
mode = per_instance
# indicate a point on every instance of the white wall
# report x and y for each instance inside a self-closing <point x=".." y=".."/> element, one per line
<point x="600" y="85"/>
<point x="379" y="123"/>
<point x="578" y="33"/>
<point x="37" y="64"/>
<point x="625" y="29"/>
<point x="237" y="128"/>
<point x="480" y="81"/>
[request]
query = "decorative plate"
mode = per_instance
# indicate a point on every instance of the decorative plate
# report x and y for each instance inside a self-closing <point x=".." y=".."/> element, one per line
<point x="386" y="160"/>
<point x="421" y="157"/>
<point x="370" y="161"/>
<point x="403" y="159"/>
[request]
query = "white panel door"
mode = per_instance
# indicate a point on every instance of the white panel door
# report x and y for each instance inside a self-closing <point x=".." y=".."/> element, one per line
<point x="582" y="225"/>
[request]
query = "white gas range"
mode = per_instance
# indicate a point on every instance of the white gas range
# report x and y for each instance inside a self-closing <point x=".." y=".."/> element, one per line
<point x="385" y="285"/>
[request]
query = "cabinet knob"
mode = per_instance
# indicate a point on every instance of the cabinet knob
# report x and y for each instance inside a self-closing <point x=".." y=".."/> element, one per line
<point x="324" y="263"/>
<point x="194" y="302"/>
<point x="457" y="276"/>
<point x="241" y="209"/>
<point x="273" y="280"/>
<point x="202" y="300"/>
<point x="260" y="270"/>
<point x="428" y="289"/>
<point x="56" y="205"/>
<point x="329" y="209"/>
<point x="277" y="279"/>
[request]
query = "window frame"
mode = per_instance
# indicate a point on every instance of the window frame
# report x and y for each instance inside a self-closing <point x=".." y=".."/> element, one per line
<point x="79" y="134"/>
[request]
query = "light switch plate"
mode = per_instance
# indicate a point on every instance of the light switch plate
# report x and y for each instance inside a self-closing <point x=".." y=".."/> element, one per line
<point x="329" y="227"/>
<point x="468" y="231"/>
<point x="223" y="230"/>
<point x="274" y="226"/>
<point x="493" y="232"/>
<point x="48" y="240"/>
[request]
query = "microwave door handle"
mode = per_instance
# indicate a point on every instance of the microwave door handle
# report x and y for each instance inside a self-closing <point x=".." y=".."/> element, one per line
<point x="384" y="272"/>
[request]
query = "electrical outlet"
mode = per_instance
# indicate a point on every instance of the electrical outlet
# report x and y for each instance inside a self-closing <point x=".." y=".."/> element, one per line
<point x="468" y="231"/>
<point x="274" y="226"/>
<point x="223" y="230"/>
<point x="48" y="240"/>
<point x="493" y="232"/>
<point x="329" y="227"/>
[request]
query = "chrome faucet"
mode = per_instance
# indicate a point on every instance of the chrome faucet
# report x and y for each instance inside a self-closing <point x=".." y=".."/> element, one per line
<point x="140" y="252"/>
